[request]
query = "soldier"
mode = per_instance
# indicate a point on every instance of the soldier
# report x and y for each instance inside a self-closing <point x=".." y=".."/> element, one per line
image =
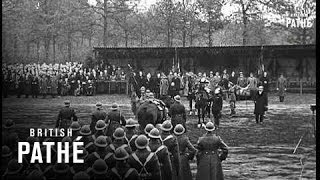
<point x="187" y="151"/>
<point x="75" y="127"/>
<point x="89" y="88"/>
<point x="35" y="87"/>
<point x="80" y="167"/>
<point x="131" y="133"/>
<point x="98" y="114"/>
<point x="208" y="157"/>
<point x="177" y="112"/>
<point x="171" y="142"/>
<point x="100" y="150"/>
<point x="260" y="105"/>
<point x="162" y="153"/>
<point x="217" y="107"/>
<point x="87" y="140"/>
<point x="101" y="131"/>
<point x="13" y="171"/>
<point x="281" y="87"/>
<point x="232" y="101"/>
<point x="122" y="170"/>
<point x="147" y="129"/>
<point x="28" y="85"/>
<point x="157" y="81"/>
<point x="114" y="119"/>
<point x="144" y="161"/>
<point x="119" y="141"/>
<point x="66" y="116"/>
<point x="20" y="85"/>
<point x="99" y="170"/>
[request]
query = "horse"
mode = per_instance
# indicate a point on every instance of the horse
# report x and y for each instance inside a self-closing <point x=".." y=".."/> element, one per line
<point x="202" y="104"/>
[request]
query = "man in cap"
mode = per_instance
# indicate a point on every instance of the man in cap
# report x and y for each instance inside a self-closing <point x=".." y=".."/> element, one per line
<point x="114" y="119"/>
<point x="260" y="104"/>
<point x="162" y="152"/>
<point x="122" y="169"/>
<point x="208" y="157"/>
<point x="98" y="114"/>
<point x="144" y="161"/>
<point x="171" y="142"/>
<point x="217" y="106"/>
<point x="66" y="116"/>
<point x="177" y="112"/>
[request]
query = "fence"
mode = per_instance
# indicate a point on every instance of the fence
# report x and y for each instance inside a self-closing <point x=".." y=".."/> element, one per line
<point x="296" y="86"/>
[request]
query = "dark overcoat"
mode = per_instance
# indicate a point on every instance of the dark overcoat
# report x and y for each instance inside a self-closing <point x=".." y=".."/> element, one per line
<point x="96" y="116"/>
<point x="260" y="103"/>
<point x="114" y="120"/>
<point x="65" y="117"/>
<point x="177" y="112"/>
<point x="282" y="84"/>
<point x="172" y="144"/>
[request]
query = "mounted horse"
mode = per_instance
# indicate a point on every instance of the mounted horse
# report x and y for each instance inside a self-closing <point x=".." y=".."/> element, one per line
<point x="202" y="98"/>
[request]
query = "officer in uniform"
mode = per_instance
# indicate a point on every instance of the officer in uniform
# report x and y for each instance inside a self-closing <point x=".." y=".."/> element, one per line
<point x="217" y="106"/>
<point x="87" y="140"/>
<point x="177" y="112"/>
<point x="98" y="114"/>
<point x="162" y="152"/>
<point x="171" y="142"/>
<point x="131" y="133"/>
<point x="66" y="116"/>
<point x="122" y="170"/>
<point x="144" y="161"/>
<point x="114" y="119"/>
<point x="100" y="150"/>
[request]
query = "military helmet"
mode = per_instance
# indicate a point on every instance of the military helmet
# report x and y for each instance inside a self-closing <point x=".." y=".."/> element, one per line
<point x="120" y="154"/>
<point x="131" y="123"/>
<point x="119" y="133"/>
<point x="209" y="126"/>
<point x="75" y="126"/>
<point x="6" y="151"/>
<point x="14" y="167"/>
<point x="66" y="139"/>
<point x="142" y="142"/>
<point x="35" y="175"/>
<point x="9" y="124"/>
<point x="166" y="126"/>
<point x="148" y="128"/>
<point x="179" y="129"/>
<point x="99" y="167"/>
<point x="100" y="125"/>
<point x="101" y="141"/>
<point x="85" y="130"/>
<point x="81" y="175"/>
<point x="61" y="168"/>
<point x="154" y="133"/>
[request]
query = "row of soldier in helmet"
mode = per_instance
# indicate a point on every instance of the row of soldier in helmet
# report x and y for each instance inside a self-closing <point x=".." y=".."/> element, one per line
<point x="155" y="153"/>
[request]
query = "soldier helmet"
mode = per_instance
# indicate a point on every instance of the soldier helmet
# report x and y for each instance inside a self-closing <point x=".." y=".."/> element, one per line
<point x="166" y="126"/>
<point x="177" y="98"/>
<point x="67" y="103"/>
<point x="9" y="124"/>
<point x="14" y="167"/>
<point x="66" y="139"/>
<point x="209" y="126"/>
<point x="101" y="141"/>
<point x="85" y="130"/>
<point x="131" y="123"/>
<point x="35" y="175"/>
<point x="142" y="142"/>
<point x="179" y="129"/>
<point x="119" y="133"/>
<point x="100" y="125"/>
<point x="75" y="126"/>
<point x="120" y="154"/>
<point x="154" y="133"/>
<point x="148" y="128"/>
<point x="61" y="168"/>
<point x="81" y="175"/>
<point x="6" y="151"/>
<point x="114" y="107"/>
<point x="99" y="167"/>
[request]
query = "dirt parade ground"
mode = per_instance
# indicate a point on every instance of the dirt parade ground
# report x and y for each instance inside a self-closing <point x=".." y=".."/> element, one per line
<point x="256" y="151"/>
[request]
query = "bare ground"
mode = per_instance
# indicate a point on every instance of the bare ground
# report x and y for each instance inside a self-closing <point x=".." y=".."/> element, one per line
<point x="255" y="151"/>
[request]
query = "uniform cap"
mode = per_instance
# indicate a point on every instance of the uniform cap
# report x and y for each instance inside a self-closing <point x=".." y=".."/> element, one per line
<point x="99" y="167"/>
<point x="61" y="168"/>
<point x="131" y="123"/>
<point x="6" y="151"/>
<point x="101" y="141"/>
<point x="209" y="126"/>
<point x="120" y="154"/>
<point x="114" y="106"/>
<point x="85" y="130"/>
<point x="14" y="167"/>
<point x="154" y="133"/>
<point x="75" y="126"/>
<point x="119" y="133"/>
<point x="142" y="142"/>
<point x="9" y="124"/>
<point x="35" y="175"/>
<point x="100" y="125"/>
<point x="179" y="129"/>
<point x="81" y="176"/>
<point x="148" y="128"/>
<point x="166" y="126"/>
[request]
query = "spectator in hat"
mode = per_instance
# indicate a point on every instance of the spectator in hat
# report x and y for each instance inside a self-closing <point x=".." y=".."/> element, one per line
<point x="122" y="169"/>
<point x="131" y="133"/>
<point x="187" y="151"/>
<point x="260" y="104"/>
<point x="177" y="112"/>
<point x="208" y="157"/>
<point x="144" y="161"/>
<point x="162" y="153"/>
<point x="114" y="119"/>
<point x="66" y="116"/>
<point x="171" y="142"/>
<point x="98" y="114"/>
